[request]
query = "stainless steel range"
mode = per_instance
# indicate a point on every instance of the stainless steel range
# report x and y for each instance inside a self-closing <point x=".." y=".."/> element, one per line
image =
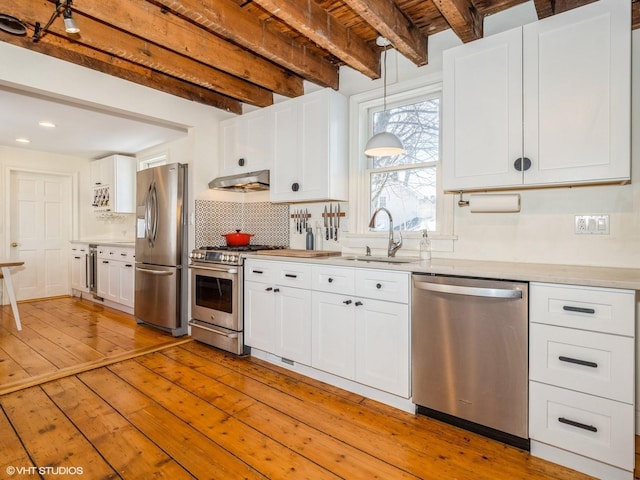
<point x="216" y="296"/>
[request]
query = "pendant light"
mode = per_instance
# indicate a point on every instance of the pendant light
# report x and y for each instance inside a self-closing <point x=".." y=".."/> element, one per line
<point x="384" y="144"/>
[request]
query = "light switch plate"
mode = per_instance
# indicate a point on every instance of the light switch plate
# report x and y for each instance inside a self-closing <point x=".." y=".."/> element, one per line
<point x="592" y="224"/>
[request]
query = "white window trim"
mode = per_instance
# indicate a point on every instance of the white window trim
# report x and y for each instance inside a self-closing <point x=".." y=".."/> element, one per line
<point x="359" y="235"/>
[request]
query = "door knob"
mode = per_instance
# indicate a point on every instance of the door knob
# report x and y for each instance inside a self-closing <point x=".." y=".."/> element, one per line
<point x="14" y="244"/>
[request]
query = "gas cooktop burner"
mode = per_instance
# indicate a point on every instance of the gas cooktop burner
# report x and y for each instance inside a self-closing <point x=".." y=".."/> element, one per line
<point x="244" y="248"/>
<point x="225" y="254"/>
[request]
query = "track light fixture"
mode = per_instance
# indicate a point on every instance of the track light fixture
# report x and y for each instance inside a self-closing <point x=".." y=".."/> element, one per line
<point x="70" y="25"/>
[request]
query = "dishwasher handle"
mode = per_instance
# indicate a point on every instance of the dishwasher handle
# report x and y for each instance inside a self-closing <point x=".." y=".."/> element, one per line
<point x="472" y="291"/>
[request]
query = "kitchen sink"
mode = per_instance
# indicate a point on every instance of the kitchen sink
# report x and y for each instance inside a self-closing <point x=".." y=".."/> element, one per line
<point x="365" y="258"/>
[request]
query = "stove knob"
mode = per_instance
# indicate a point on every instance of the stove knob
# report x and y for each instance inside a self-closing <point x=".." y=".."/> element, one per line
<point x="232" y="258"/>
<point x="224" y="257"/>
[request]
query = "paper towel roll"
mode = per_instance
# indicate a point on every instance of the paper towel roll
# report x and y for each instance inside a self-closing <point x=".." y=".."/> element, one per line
<point x="497" y="203"/>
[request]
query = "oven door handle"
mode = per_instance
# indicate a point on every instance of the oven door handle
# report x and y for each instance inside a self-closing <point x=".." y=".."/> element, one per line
<point x="213" y="330"/>
<point x="214" y="269"/>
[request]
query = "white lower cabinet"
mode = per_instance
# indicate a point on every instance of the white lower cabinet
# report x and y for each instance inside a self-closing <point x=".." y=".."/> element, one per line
<point x="277" y="317"/>
<point x="333" y="334"/>
<point x="581" y="389"/>
<point x="116" y="275"/>
<point x="350" y="322"/>
<point x="363" y="336"/>
<point x="79" y="268"/>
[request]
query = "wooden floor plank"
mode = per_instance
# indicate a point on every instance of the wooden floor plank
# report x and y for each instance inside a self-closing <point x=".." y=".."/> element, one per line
<point x="255" y="448"/>
<point x="50" y="439"/>
<point x="66" y="335"/>
<point x="12" y="452"/>
<point x="202" y="457"/>
<point x="124" y="447"/>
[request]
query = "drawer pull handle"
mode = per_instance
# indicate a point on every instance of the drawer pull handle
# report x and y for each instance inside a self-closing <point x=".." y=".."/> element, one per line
<point x="573" y="423"/>
<point x="259" y="272"/>
<point x="584" y="363"/>
<point x="268" y="289"/>
<point x="347" y="302"/>
<point x="290" y="275"/>
<point x="359" y="304"/>
<point x="276" y="290"/>
<point x="569" y="308"/>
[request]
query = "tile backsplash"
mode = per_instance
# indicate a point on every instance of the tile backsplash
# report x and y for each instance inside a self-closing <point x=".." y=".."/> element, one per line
<point x="268" y="222"/>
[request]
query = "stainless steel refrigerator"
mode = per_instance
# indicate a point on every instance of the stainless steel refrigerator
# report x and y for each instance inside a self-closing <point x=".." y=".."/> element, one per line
<point x="161" y="248"/>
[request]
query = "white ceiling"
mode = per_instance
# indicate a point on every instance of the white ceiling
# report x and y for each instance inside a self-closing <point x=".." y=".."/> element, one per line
<point x="80" y="131"/>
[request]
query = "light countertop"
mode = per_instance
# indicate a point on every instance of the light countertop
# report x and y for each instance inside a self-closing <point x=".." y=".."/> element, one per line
<point x="608" y="277"/>
<point x="106" y="243"/>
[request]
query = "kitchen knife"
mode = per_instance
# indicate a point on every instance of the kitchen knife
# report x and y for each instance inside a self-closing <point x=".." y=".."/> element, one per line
<point x="335" y="235"/>
<point x="331" y="220"/>
<point x="326" y="223"/>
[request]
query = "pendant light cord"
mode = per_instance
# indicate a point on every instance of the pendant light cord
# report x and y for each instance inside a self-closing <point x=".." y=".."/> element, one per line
<point x="384" y="81"/>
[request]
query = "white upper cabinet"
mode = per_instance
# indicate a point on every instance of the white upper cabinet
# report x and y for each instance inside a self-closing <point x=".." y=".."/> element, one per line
<point x="113" y="182"/>
<point x="310" y="148"/>
<point x="543" y="104"/>
<point x="246" y="142"/>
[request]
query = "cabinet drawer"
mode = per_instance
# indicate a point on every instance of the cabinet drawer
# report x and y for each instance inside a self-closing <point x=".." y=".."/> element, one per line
<point x="295" y="275"/>
<point x="334" y="279"/>
<point x="381" y="285"/>
<point x="590" y="362"/>
<point x="260" y="270"/>
<point x="587" y="308"/>
<point x="116" y="253"/>
<point x="590" y="426"/>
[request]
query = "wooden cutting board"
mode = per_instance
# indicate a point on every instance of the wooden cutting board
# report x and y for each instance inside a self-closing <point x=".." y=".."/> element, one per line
<point x="289" y="252"/>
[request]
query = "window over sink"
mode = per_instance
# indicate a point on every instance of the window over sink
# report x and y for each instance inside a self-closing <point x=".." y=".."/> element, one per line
<point x="408" y="184"/>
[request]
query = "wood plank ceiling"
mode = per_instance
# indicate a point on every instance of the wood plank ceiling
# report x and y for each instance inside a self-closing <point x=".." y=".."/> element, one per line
<point x="228" y="52"/>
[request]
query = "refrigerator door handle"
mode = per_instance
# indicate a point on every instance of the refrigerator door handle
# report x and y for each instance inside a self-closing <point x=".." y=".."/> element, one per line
<point x="162" y="273"/>
<point x="147" y="216"/>
<point x="154" y="208"/>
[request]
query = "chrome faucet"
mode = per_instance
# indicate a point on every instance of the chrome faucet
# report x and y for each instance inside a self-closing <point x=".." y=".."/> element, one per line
<point x="393" y="245"/>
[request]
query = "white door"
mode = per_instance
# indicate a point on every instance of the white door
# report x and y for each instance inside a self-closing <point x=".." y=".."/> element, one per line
<point x="40" y="232"/>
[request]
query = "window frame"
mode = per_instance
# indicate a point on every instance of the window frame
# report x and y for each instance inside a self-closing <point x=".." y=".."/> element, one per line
<point x="362" y="107"/>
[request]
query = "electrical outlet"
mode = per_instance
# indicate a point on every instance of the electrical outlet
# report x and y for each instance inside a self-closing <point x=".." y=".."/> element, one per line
<point x="592" y="224"/>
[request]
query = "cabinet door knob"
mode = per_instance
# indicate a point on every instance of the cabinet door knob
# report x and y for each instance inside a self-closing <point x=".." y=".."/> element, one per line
<point x="358" y="304"/>
<point x="522" y="164"/>
<point x="268" y="289"/>
<point x="276" y="290"/>
<point x="378" y="286"/>
<point x="347" y="302"/>
<point x="295" y="186"/>
<point x="241" y="162"/>
<point x="330" y="280"/>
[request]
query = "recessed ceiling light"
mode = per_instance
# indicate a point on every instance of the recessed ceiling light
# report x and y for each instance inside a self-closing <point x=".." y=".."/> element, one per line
<point x="23" y="140"/>
<point x="47" y="124"/>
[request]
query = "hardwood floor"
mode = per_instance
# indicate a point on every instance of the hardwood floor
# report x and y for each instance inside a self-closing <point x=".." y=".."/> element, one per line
<point x="64" y="335"/>
<point x="190" y="411"/>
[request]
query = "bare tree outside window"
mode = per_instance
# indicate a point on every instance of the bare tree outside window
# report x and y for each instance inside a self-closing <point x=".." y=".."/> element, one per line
<point x="407" y="182"/>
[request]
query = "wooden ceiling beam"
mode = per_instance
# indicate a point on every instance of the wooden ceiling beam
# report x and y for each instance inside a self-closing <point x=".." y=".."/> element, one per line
<point x="54" y="46"/>
<point x="385" y="17"/>
<point x="98" y="36"/>
<point x="463" y="18"/>
<point x="234" y="23"/>
<point x="312" y="21"/>
<point x="148" y="22"/>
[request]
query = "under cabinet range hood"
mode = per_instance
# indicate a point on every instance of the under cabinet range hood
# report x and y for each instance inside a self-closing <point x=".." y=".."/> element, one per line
<point x="242" y="182"/>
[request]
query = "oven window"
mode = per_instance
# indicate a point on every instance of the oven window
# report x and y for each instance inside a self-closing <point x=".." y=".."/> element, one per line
<point x="214" y="293"/>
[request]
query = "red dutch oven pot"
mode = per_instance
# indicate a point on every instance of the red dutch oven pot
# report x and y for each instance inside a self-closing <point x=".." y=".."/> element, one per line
<point x="238" y="239"/>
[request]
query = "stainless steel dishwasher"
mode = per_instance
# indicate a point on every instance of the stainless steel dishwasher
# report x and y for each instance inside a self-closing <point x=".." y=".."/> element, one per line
<point x="469" y="350"/>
